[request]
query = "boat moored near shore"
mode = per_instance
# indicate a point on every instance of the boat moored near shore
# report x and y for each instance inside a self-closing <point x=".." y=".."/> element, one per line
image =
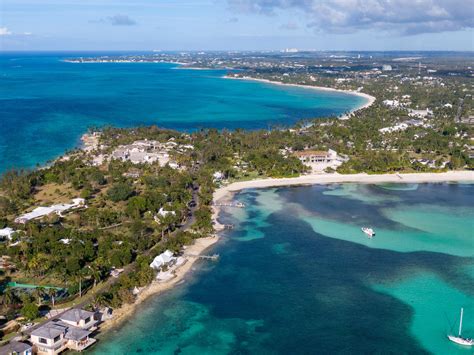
<point x="369" y="231"/>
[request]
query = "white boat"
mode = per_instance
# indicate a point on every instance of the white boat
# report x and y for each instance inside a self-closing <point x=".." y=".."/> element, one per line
<point x="369" y="231"/>
<point x="459" y="339"/>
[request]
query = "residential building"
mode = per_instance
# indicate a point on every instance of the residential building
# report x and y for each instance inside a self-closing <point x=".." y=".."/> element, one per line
<point x="71" y="330"/>
<point x="320" y="160"/>
<point x="7" y="232"/>
<point x="49" y="338"/>
<point x="164" y="258"/>
<point x="16" y="348"/>
<point x="79" y="318"/>
<point x="40" y="212"/>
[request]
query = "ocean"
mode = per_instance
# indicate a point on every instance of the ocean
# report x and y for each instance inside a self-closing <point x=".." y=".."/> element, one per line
<point x="46" y="104"/>
<point x="297" y="276"/>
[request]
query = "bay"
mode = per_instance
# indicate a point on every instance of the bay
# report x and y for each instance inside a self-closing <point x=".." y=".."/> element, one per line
<point x="46" y="104"/>
<point x="298" y="276"/>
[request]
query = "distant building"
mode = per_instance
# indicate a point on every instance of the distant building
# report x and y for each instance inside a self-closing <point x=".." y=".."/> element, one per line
<point x="320" y="160"/>
<point x="420" y="113"/>
<point x="58" y="209"/>
<point x="7" y="232"/>
<point x="391" y="103"/>
<point x="16" y="348"/>
<point x="386" y="67"/>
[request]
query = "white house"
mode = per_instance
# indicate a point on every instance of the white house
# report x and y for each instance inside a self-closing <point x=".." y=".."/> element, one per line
<point x="163" y="259"/>
<point x="7" y="232"/>
<point x="70" y="331"/>
<point x="320" y="160"/>
<point x="391" y="103"/>
<point x="40" y="212"/>
<point x="163" y="213"/>
<point x="79" y="318"/>
<point x="218" y="175"/>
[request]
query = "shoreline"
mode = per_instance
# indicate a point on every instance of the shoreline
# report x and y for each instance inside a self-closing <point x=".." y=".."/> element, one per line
<point x="156" y="288"/>
<point x="369" y="98"/>
<point x="227" y="191"/>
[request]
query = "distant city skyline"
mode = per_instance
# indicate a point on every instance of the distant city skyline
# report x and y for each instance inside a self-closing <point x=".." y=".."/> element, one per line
<point x="237" y="25"/>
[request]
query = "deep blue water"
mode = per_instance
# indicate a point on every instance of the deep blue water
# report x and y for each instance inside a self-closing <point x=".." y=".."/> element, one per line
<point x="46" y="103"/>
<point x="297" y="276"/>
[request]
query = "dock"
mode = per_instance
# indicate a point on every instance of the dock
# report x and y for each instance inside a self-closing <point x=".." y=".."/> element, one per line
<point x="204" y="257"/>
<point x="230" y="204"/>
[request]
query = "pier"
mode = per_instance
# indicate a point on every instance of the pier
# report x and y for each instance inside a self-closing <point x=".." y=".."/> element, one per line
<point x="230" y="204"/>
<point x="205" y="257"/>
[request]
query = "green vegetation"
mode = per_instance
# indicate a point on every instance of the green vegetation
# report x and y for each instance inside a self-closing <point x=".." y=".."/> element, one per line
<point x="136" y="211"/>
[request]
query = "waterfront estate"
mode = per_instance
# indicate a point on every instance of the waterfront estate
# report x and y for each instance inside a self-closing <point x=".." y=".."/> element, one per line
<point x="70" y="330"/>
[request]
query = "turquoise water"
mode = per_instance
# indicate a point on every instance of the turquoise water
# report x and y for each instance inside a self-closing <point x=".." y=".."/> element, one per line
<point x="297" y="276"/>
<point x="46" y="104"/>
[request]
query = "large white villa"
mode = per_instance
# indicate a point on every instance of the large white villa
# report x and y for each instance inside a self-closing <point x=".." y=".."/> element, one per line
<point x="318" y="160"/>
<point x="58" y="209"/>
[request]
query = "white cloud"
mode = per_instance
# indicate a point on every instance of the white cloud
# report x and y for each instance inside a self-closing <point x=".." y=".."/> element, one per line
<point x="341" y="16"/>
<point x="116" y="20"/>
<point x="4" y="31"/>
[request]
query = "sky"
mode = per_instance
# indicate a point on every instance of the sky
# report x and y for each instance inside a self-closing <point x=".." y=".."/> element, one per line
<point x="236" y="24"/>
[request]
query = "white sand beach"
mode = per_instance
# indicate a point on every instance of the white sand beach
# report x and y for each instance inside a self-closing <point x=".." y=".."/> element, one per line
<point x="369" y="98"/>
<point x="455" y="176"/>
<point x="225" y="192"/>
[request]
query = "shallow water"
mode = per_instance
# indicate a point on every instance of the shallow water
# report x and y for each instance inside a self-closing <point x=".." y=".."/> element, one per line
<point x="300" y="288"/>
<point x="46" y="104"/>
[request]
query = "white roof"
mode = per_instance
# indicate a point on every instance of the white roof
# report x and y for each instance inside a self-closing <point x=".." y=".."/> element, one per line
<point x="37" y="212"/>
<point x="6" y="232"/>
<point x="163" y="258"/>
<point x="164" y="213"/>
<point x="44" y="211"/>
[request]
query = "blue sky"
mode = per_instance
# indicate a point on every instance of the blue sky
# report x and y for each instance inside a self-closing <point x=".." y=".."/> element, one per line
<point x="236" y="24"/>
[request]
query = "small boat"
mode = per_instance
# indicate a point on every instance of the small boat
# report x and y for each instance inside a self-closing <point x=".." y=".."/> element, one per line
<point x="369" y="231"/>
<point x="459" y="339"/>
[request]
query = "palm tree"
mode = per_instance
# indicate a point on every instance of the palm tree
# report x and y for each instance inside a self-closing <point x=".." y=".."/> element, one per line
<point x="9" y="297"/>
<point x="79" y="277"/>
<point x="100" y="300"/>
<point x="39" y="292"/>
<point x="95" y="273"/>
<point x="52" y="292"/>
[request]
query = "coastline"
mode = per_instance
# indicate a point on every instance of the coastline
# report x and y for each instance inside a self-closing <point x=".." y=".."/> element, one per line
<point x="155" y="288"/>
<point x="369" y="98"/>
<point x="227" y="191"/>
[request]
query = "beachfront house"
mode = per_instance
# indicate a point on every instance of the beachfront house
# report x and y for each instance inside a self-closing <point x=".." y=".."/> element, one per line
<point x="59" y="209"/>
<point x="320" y="160"/>
<point x="49" y="339"/>
<point x="79" y="318"/>
<point x="165" y="258"/>
<point x="16" y="348"/>
<point x="71" y="330"/>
